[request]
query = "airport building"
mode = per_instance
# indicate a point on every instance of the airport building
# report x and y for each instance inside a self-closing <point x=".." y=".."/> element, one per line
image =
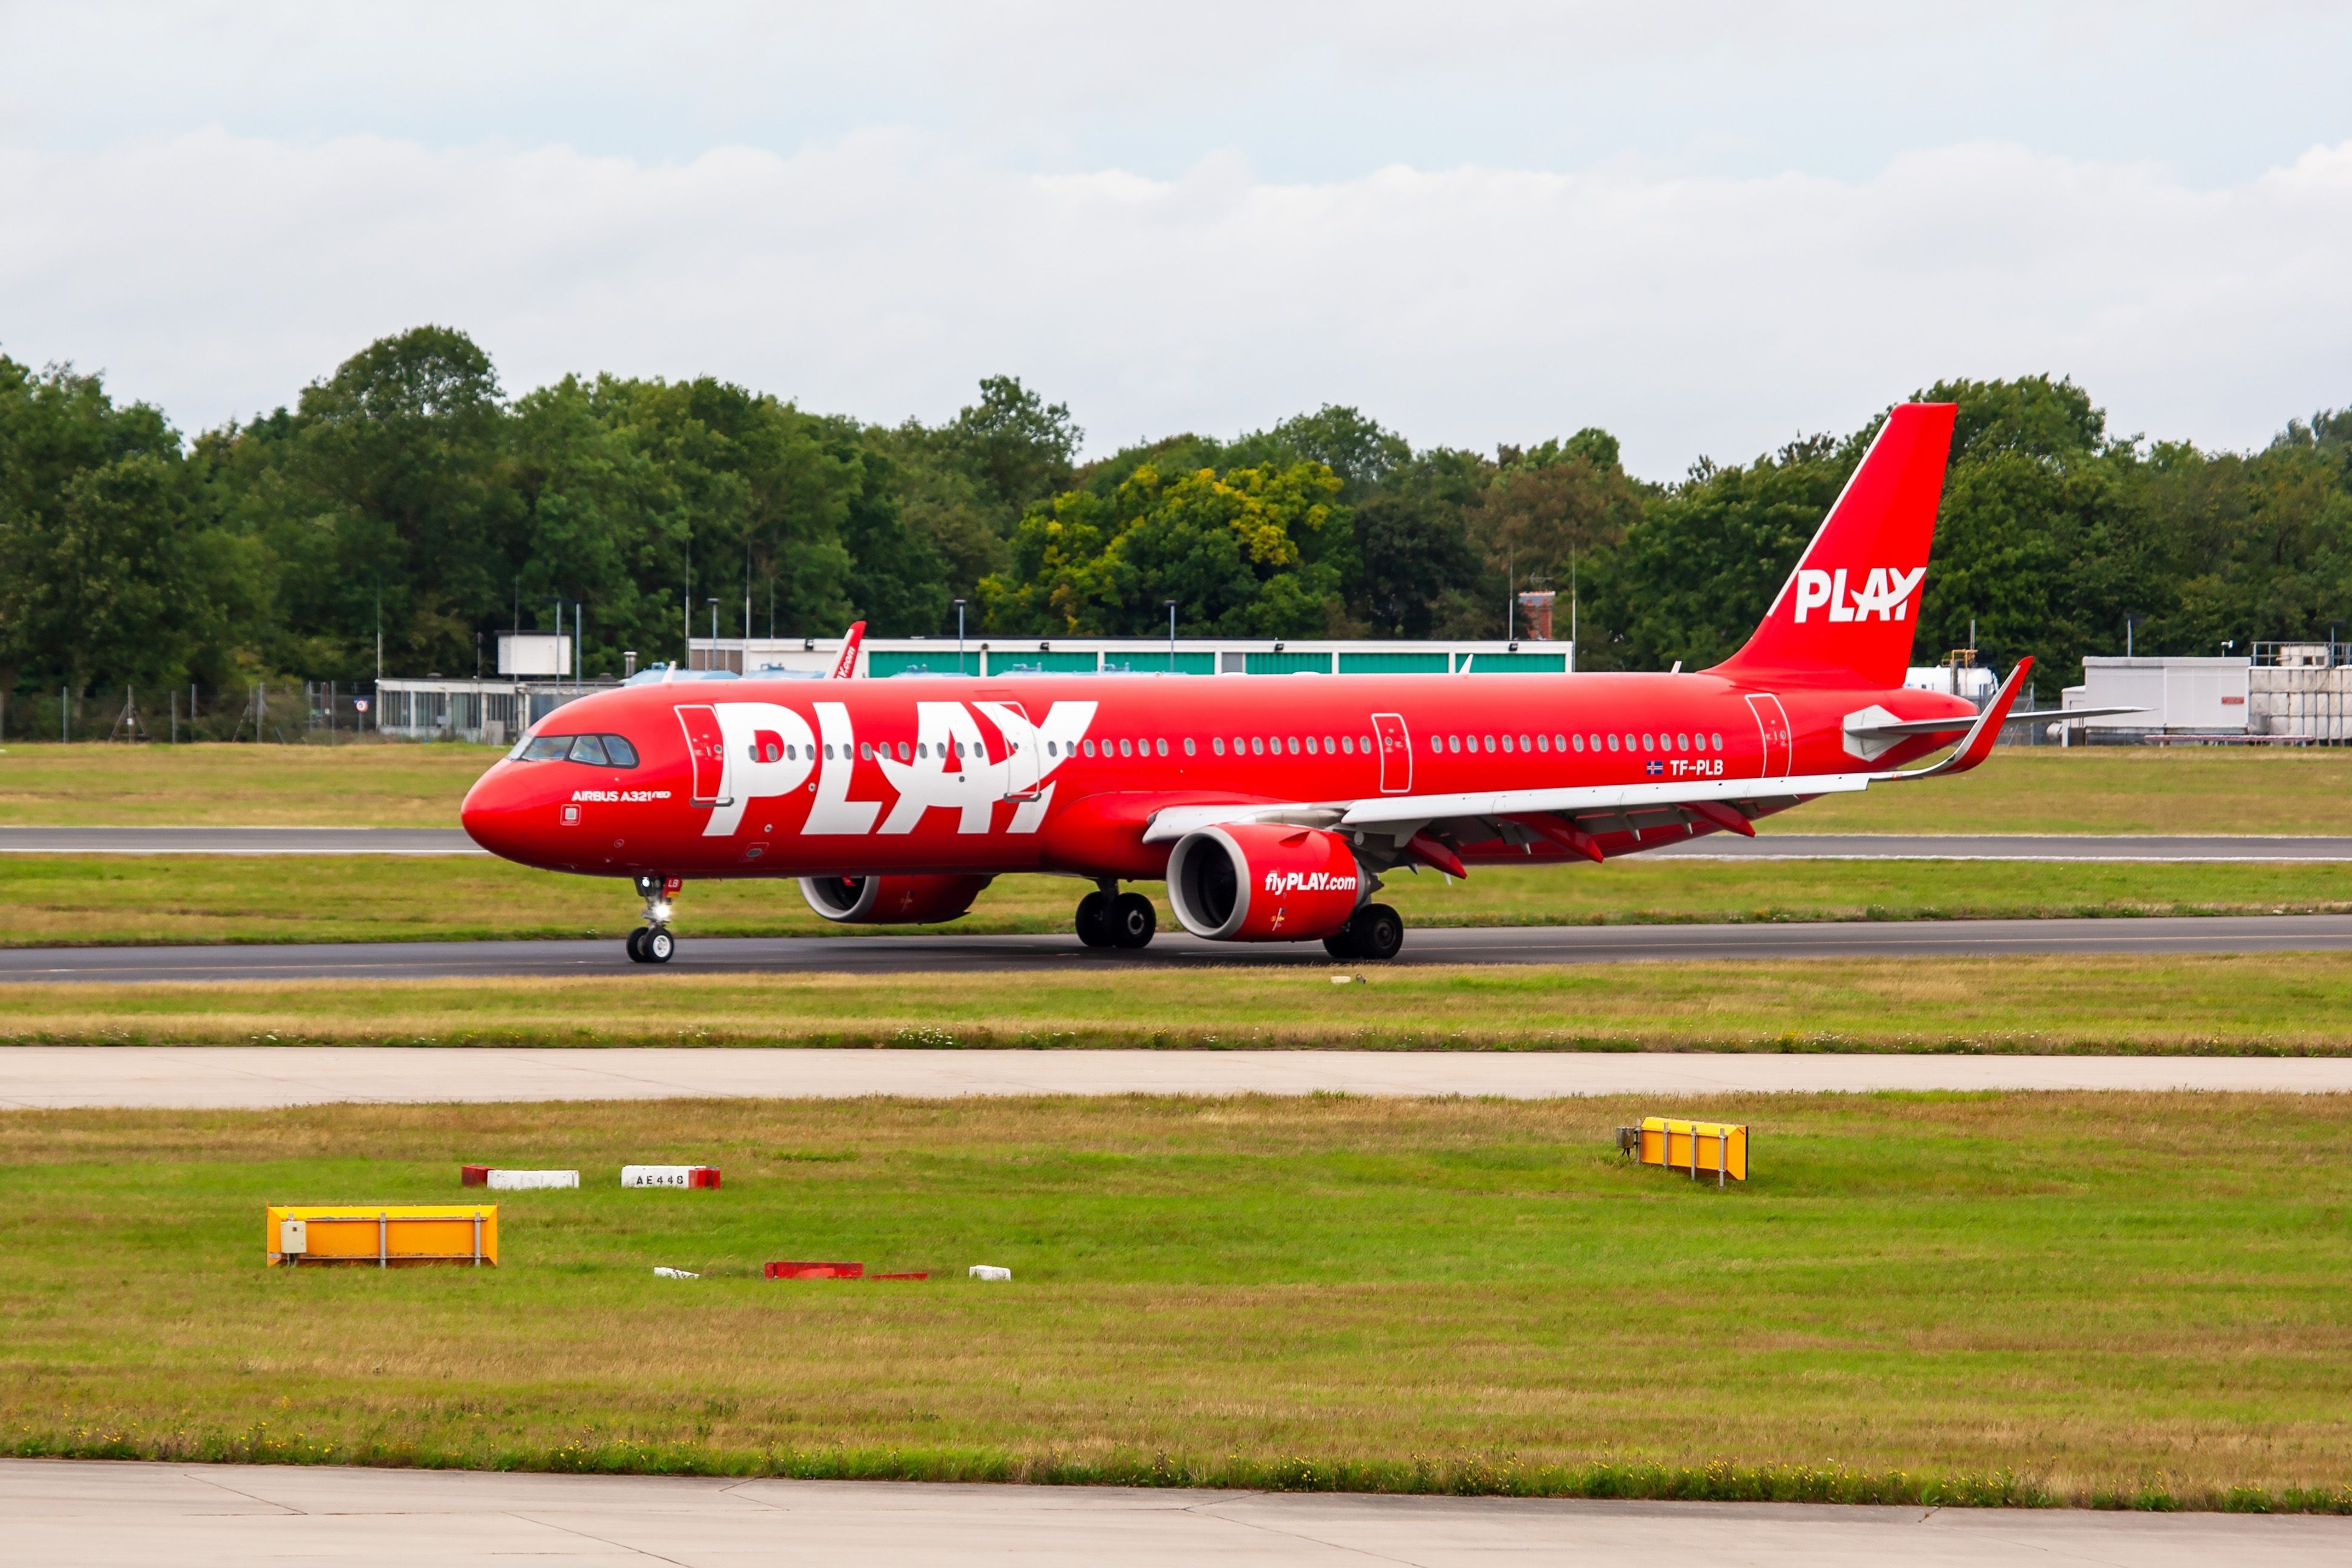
<point x="2292" y="693"/>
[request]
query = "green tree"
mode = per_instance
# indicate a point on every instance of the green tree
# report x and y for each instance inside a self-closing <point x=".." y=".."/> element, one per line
<point x="1247" y="553"/>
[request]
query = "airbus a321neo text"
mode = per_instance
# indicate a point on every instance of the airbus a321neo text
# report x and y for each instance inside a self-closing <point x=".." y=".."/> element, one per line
<point x="1271" y="806"/>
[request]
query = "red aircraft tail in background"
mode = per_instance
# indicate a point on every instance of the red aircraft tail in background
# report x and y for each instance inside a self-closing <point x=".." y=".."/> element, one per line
<point x="1848" y="611"/>
<point x="846" y="665"/>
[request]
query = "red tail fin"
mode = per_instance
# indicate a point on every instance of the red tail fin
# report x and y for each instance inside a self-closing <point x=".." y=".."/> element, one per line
<point x="844" y="664"/>
<point x="1851" y="605"/>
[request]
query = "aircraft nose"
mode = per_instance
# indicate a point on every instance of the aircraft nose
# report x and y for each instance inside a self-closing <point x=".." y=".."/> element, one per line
<point x="494" y="810"/>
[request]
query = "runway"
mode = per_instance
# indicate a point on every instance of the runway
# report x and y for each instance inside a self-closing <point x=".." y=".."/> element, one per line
<point x="226" y="1077"/>
<point x="100" y="1512"/>
<point x="933" y="953"/>
<point x="1768" y="846"/>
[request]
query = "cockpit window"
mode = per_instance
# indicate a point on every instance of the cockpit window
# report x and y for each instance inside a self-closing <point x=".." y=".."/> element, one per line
<point x="597" y="751"/>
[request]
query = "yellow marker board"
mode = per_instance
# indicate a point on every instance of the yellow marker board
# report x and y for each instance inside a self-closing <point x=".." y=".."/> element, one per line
<point x="382" y="1235"/>
<point x="1705" y="1148"/>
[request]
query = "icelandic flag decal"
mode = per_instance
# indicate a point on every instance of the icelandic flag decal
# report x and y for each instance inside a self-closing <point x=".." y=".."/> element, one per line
<point x="1656" y="769"/>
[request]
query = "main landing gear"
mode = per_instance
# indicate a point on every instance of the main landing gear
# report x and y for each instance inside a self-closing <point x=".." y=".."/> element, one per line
<point x="652" y="942"/>
<point x="1109" y="918"/>
<point x="1374" y="932"/>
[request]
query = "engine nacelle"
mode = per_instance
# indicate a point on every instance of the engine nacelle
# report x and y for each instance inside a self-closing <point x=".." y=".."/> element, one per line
<point x="892" y="901"/>
<point x="1253" y="882"/>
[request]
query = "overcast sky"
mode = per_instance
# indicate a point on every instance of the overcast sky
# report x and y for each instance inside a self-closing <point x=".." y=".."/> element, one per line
<point x="1705" y="228"/>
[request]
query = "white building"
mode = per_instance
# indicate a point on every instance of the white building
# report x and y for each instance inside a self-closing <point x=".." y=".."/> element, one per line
<point x="881" y="656"/>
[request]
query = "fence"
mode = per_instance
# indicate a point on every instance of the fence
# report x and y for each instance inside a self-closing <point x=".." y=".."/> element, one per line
<point x="272" y="712"/>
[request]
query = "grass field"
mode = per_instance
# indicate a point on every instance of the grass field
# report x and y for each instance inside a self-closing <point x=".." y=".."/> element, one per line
<point x="111" y="898"/>
<point x="390" y="784"/>
<point x="2123" y="1299"/>
<point x="2269" y="1003"/>
<point x="2106" y="789"/>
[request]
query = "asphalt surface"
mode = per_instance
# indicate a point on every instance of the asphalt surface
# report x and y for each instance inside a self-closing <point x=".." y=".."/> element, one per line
<point x="949" y="951"/>
<point x="100" y="1512"/>
<point x="1714" y="846"/>
<point x="228" y="1078"/>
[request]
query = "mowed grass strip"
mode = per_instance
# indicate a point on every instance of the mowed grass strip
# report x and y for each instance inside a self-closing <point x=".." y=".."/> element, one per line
<point x="2037" y="1298"/>
<point x="2106" y="789"/>
<point x="2257" y="1004"/>
<point x="2102" y="789"/>
<point x="362" y="784"/>
<point x="85" y="900"/>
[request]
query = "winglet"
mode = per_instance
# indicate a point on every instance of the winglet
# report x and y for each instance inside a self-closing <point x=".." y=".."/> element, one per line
<point x="846" y="665"/>
<point x="1976" y="745"/>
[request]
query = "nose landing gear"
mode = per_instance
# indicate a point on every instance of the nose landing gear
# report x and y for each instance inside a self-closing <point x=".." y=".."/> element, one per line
<point x="652" y="942"/>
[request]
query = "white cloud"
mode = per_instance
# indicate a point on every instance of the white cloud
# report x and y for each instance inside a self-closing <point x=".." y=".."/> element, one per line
<point x="883" y="274"/>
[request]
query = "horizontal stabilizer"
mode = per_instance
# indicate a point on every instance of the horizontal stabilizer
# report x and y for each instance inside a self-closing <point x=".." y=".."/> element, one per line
<point x="1954" y="726"/>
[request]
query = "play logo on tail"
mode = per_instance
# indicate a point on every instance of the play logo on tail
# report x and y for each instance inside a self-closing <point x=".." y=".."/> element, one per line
<point x="1848" y="611"/>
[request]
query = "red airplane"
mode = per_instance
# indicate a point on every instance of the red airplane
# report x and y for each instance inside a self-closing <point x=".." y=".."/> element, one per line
<point x="1271" y="806"/>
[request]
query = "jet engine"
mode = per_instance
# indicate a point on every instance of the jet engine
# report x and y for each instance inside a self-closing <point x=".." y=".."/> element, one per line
<point x="1249" y="882"/>
<point x="892" y="901"/>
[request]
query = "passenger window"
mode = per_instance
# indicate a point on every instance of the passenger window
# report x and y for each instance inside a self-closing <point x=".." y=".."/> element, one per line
<point x="1365" y="745"/>
<point x="1218" y="745"/>
<point x="589" y="749"/>
<point x="792" y="752"/>
<point x="1523" y="742"/>
<point x="1612" y="742"/>
<point x="1161" y="746"/>
<point x="1327" y="745"/>
<point x="1718" y="743"/>
<point x="1190" y="750"/>
<point x="1580" y="741"/>
<point x="1126" y="748"/>
<point x="1310" y="745"/>
<point x="1347" y="744"/>
<point x="548" y="749"/>
<point x="1452" y="742"/>
<point x="1437" y="742"/>
<point x="1490" y="743"/>
<point x="865" y="751"/>
<point x="1257" y="746"/>
<point x="1506" y="742"/>
<point x="1543" y="743"/>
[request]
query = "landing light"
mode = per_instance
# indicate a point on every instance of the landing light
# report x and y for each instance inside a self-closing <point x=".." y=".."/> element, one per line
<point x="659" y="911"/>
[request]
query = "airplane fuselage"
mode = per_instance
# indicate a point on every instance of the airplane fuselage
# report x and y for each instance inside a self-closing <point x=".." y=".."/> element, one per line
<point x="947" y="775"/>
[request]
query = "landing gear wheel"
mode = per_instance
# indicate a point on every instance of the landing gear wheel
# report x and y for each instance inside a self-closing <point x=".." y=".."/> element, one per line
<point x="1375" y="932"/>
<point x="657" y="946"/>
<point x="1094" y="920"/>
<point x="636" y="946"/>
<point x="1132" y="920"/>
<point x="1339" y="944"/>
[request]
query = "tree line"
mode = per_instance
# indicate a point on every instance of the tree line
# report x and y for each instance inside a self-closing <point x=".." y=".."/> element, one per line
<point x="407" y="503"/>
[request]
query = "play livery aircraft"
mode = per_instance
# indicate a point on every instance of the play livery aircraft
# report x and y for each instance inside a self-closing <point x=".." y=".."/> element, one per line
<point x="1272" y="806"/>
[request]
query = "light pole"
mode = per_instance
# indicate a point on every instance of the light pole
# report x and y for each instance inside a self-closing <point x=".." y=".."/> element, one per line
<point x="1170" y="605"/>
<point x="959" y="605"/>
